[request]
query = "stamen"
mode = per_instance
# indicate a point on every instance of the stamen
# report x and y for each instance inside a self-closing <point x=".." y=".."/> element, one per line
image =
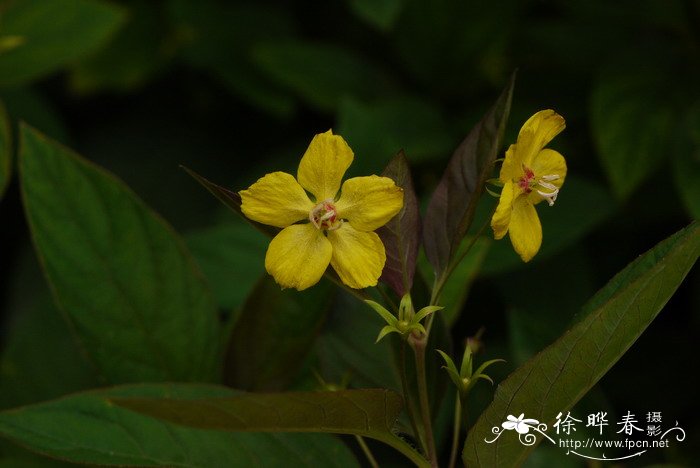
<point x="323" y="216"/>
<point x="548" y="185"/>
<point x="335" y="225"/>
<point x="550" y="177"/>
<point x="550" y="197"/>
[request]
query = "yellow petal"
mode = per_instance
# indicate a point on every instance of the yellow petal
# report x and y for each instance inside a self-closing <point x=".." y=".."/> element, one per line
<point x="501" y="218"/>
<point x="358" y="257"/>
<point x="298" y="256"/>
<point x="536" y="132"/>
<point x="322" y="167"/>
<point x="547" y="163"/>
<point x="277" y="200"/>
<point x="369" y="202"/>
<point x="525" y="228"/>
<point x="512" y="168"/>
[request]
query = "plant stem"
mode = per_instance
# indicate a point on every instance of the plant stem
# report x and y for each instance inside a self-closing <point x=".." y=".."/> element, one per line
<point x="440" y="282"/>
<point x="455" y="431"/>
<point x="419" y="353"/>
<point x="370" y="458"/>
<point x="410" y="404"/>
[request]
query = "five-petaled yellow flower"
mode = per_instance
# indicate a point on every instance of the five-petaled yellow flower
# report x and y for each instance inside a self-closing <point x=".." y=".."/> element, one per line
<point x="530" y="174"/>
<point x="331" y="227"/>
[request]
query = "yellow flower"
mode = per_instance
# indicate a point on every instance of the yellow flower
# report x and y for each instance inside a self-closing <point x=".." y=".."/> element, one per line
<point x="326" y="228"/>
<point x="529" y="175"/>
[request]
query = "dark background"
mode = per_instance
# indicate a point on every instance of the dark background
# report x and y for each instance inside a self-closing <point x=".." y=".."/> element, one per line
<point x="236" y="89"/>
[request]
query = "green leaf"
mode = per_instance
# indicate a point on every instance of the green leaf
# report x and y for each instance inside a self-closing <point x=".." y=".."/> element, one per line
<point x="121" y="275"/>
<point x="558" y="377"/>
<point x="451" y="369"/>
<point x="218" y="37"/>
<point x="321" y="74"/>
<point x="453" y="204"/>
<point x="53" y="33"/>
<point x="89" y="428"/>
<point x="346" y="344"/>
<point x="382" y="14"/>
<point x="40" y="359"/>
<point x="28" y="105"/>
<point x="232" y="257"/>
<point x="379" y="128"/>
<point x="367" y="413"/>
<point x="401" y="235"/>
<point x="388" y="317"/>
<point x="5" y="150"/>
<point x="273" y="334"/>
<point x="135" y="54"/>
<point x="631" y="121"/>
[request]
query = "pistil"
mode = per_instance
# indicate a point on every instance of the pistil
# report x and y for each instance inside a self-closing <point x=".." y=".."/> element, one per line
<point x="324" y="216"/>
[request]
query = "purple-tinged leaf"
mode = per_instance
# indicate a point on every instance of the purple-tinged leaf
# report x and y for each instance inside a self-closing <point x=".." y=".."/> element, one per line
<point x="451" y="209"/>
<point x="401" y="235"/>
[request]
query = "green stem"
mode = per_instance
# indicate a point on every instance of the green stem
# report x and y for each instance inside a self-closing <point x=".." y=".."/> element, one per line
<point x="419" y="353"/>
<point x="455" y="431"/>
<point x="410" y="403"/>
<point x="440" y="282"/>
<point x="370" y="458"/>
<point x="463" y="403"/>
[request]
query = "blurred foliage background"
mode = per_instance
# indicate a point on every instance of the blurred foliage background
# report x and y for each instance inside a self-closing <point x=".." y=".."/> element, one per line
<point x="234" y="89"/>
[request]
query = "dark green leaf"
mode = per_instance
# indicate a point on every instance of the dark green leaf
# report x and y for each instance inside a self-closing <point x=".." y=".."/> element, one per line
<point x="5" y="149"/>
<point x="401" y="235"/>
<point x="122" y="276"/>
<point x="367" y="413"/>
<point x="53" y="33"/>
<point x="231" y="257"/>
<point x="381" y="14"/>
<point x="135" y="54"/>
<point x="380" y="128"/>
<point x="554" y="380"/>
<point x="30" y="460"/>
<point x="40" y="360"/>
<point x="452" y="206"/>
<point x="273" y="334"/>
<point x="321" y="74"/>
<point x="89" y="428"/>
<point x="218" y="37"/>
<point x="631" y="121"/>
<point x="347" y="345"/>
<point x="28" y="105"/>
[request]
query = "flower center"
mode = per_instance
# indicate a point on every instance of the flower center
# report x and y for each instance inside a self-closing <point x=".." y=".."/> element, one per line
<point x="324" y="216"/>
<point x="542" y="185"/>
